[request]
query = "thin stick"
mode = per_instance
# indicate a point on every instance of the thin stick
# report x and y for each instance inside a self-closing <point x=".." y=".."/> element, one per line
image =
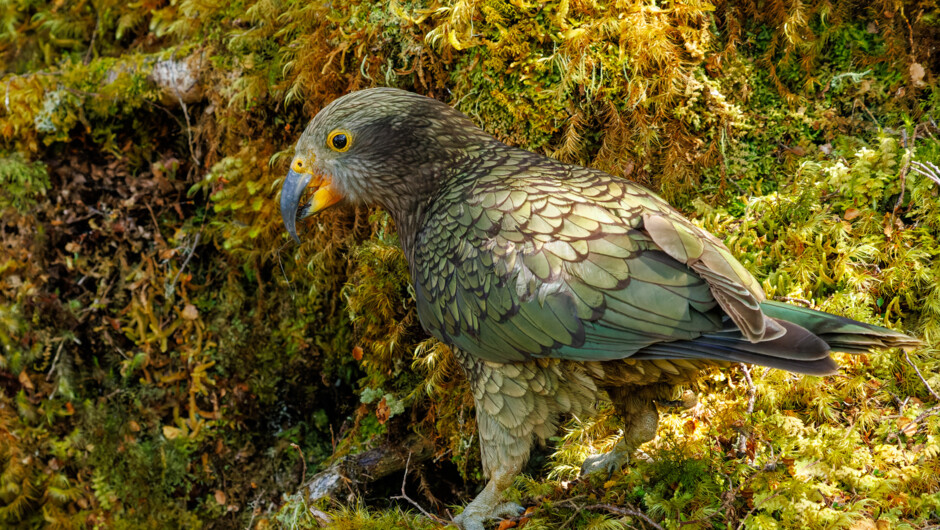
<point x="94" y="34"/>
<point x="303" y="478"/>
<point x="568" y="521"/>
<point x="55" y="360"/>
<point x="926" y="413"/>
<point x="921" y="376"/>
<point x="906" y="168"/>
<point x="293" y="293"/>
<point x="624" y="511"/>
<point x="870" y="115"/>
<point x="189" y="127"/>
<point x="751" y="396"/>
<point x="756" y="506"/>
<point x="254" y="504"/>
<point x="404" y="496"/>
<point x="802" y="301"/>
<point x="189" y="256"/>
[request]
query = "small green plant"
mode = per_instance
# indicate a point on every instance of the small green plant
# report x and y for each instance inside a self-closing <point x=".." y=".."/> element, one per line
<point x="21" y="182"/>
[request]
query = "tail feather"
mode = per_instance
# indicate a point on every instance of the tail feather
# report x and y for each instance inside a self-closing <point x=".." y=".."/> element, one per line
<point x="671" y="350"/>
<point x="804" y="348"/>
<point x="797" y="350"/>
<point x="842" y="334"/>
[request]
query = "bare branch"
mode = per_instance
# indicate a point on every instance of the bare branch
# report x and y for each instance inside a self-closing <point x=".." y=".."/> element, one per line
<point x="624" y="511"/>
<point x="303" y="461"/>
<point x="172" y="287"/>
<point x="354" y="470"/>
<point x="921" y="376"/>
<point x="751" y="396"/>
<point x="404" y="496"/>
<point x="800" y="301"/>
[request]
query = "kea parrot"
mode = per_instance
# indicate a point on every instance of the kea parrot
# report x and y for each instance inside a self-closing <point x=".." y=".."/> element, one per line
<point x="551" y="283"/>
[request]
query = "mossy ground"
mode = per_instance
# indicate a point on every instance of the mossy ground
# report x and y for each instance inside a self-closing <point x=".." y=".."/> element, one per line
<point x="171" y="359"/>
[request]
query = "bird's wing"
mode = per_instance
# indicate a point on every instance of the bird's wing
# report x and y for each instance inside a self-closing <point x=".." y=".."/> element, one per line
<point x="549" y="260"/>
<point x="736" y="290"/>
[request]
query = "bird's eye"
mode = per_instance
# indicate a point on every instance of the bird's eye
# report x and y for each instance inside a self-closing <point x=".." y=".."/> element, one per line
<point x="338" y="141"/>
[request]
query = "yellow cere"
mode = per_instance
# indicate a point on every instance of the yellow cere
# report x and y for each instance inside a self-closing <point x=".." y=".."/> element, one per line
<point x="299" y="165"/>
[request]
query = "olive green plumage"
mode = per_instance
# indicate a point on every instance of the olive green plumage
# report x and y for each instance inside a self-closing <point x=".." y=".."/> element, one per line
<point x="551" y="281"/>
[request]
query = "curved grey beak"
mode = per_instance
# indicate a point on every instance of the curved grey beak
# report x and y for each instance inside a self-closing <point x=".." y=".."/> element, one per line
<point x="291" y="191"/>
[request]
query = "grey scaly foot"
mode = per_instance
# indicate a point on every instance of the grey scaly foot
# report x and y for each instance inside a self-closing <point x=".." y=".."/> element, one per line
<point x="489" y="504"/>
<point x="472" y="517"/>
<point x="640" y="421"/>
<point x="608" y="462"/>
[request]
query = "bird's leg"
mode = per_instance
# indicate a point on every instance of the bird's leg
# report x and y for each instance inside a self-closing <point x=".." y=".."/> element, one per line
<point x="504" y="453"/>
<point x="516" y="404"/>
<point x="513" y="406"/>
<point x="640" y="420"/>
<point x="489" y="504"/>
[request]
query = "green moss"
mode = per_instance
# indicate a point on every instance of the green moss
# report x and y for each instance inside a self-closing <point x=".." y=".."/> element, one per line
<point x="164" y="342"/>
<point x="21" y="182"/>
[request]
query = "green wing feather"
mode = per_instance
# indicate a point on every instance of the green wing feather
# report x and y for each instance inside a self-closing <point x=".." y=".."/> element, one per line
<point x="552" y="261"/>
<point x="540" y="259"/>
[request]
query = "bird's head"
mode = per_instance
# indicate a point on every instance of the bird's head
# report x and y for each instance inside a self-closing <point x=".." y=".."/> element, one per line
<point x="378" y="146"/>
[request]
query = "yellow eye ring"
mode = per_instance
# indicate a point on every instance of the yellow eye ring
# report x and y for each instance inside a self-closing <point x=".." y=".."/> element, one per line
<point x="339" y="141"/>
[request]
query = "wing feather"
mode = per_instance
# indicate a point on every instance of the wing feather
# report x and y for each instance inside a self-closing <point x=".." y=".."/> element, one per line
<point x="735" y="289"/>
<point x="584" y="266"/>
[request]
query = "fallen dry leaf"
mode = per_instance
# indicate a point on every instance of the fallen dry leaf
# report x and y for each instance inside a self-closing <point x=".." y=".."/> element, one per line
<point x="190" y="312"/>
<point x="382" y="411"/>
<point x="24" y="380"/>
<point x="917" y="74"/>
<point x="171" y="433"/>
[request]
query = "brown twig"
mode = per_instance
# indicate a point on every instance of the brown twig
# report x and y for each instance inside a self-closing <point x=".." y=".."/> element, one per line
<point x="624" y="511"/>
<point x="189" y="255"/>
<point x="303" y="461"/>
<point x="905" y="168"/>
<point x="156" y="225"/>
<point x="567" y="502"/>
<point x="332" y="439"/>
<point x="568" y="521"/>
<point x="189" y="126"/>
<point x="55" y="359"/>
<point x="751" y="396"/>
<point x="801" y="301"/>
<point x="698" y="521"/>
<point x="870" y="115"/>
<point x="756" y="506"/>
<point x="926" y="413"/>
<point x="94" y="35"/>
<point x="921" y="376"/>
<point x="404" y="496"/>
